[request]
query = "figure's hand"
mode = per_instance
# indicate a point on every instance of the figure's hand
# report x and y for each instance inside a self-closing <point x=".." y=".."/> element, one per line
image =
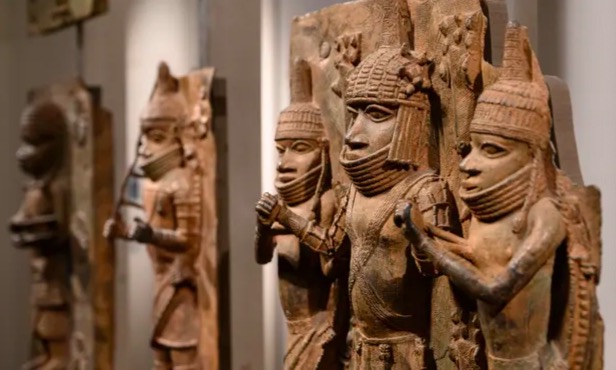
<point x="114" y="229"/>
<point x="408" y="218"/>
<point x="267" y="208"/>
<point x="141" y="232"/>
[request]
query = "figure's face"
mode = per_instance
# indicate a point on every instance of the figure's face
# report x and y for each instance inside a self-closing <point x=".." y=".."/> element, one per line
<point x="491" y="160"/>
<point x="371" y="130"/>
<point x="158" y="137"/>
<point x="296" y="158"/>
<point x="39" y="151"/>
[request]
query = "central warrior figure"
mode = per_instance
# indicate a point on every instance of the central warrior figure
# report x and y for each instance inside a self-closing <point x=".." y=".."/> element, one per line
<point x="386" y="157"/>
<point x="171" y="203"/>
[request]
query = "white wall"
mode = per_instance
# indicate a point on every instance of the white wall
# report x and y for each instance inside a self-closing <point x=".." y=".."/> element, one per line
<point x="155" y="31"/>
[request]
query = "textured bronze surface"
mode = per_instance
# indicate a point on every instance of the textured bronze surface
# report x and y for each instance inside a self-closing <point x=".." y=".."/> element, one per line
<point x="398" y="83"/>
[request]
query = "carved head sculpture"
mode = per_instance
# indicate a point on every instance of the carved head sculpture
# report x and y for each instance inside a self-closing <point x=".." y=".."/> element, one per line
<point x="384" y="94"/>
<point x="302" y="148"/>
<point x="303" y="169"/>
<point x="162" y="121"/>
<point x="41" y="156"/>
<point x="389" y="106"/>
<point x="509" y="164"/>
<point x="44" y="135"/>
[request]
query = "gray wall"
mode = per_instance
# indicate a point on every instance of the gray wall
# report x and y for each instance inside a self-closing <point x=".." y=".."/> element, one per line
<point x="14" y="273"/>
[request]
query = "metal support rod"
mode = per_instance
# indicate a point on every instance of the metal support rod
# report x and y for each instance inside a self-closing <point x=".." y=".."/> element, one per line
<point x="79" y="41"/>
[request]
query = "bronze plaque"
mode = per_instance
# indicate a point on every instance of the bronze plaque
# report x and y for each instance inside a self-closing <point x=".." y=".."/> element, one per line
<point x="45" y="16"/>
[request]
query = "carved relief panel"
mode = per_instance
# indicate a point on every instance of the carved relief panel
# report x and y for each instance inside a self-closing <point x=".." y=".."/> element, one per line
<point x="398" y="84"/>
<point x="173" y="181"/>
<point x="66" y="158"/>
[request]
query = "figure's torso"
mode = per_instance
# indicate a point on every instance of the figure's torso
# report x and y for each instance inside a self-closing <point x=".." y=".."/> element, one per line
<point x="389" y="297"/>
<point x="159" y="202"/>
<point x="304" y="290"/>
<point x="519" y="328"/>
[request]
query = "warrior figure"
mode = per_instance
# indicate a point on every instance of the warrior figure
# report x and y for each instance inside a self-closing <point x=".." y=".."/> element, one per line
<point x="40" y="225"/>
<point x="529" y="223"/>
<point x="303" y="183"/>
<point x="385" y="155"/>
<point x="172" y="229"/>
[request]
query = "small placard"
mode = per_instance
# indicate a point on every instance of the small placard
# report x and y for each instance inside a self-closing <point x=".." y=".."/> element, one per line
<point x="45" y="16"/>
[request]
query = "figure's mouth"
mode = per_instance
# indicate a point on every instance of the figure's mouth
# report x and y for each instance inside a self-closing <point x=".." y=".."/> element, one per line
<point x="355" y="145"/>
<point x="354" y="150"/>
<point x="286" y="177"/>
<point x="469" y="185"/>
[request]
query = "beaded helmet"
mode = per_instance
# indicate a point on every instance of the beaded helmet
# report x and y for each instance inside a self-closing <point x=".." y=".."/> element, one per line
<point x="302" y="118"/>
<point x="516" y="106"/>
<point x="395" y="77"/>
<point x="167" y="101"/>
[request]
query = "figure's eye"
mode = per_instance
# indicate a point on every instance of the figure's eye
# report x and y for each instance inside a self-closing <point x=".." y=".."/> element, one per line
<point x="280" y="149"/>
<point x="492" y="150"/>
<point x="301" y="146"/>
<point x="157" y="136"/>
<point x="378" y="113"/>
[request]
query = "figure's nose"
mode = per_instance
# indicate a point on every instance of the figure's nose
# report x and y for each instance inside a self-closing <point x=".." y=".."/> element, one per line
<point x="284" y="164"/>
<point x="356" y="137"/>
<point x="469" y="165"/>
<point x="144" y="151"/>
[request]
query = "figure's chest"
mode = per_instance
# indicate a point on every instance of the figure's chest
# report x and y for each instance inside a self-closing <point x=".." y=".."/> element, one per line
<point x="372" y="226"/>
<point x="159" y="207"/>
<point x="493" y="244"/>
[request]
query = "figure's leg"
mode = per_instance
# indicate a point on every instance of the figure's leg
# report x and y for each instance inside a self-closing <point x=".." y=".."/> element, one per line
<point x="185" y="359"/>
<point x="162" y="359"/>
<point x="52" y="329"/>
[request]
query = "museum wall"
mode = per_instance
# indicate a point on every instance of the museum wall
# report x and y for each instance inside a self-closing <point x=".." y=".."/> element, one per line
<point x="576" y="42"/>
<point x="121" y="50"/>
<point x="14" y="275"/>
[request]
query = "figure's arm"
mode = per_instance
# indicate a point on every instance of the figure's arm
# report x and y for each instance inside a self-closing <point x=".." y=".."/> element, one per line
<point x="546" y="234"/>
<point x="264" y="242"/>
<point x="186" y="233"/>
<point x="435" y="210"/>
<point x="309" y="233"/>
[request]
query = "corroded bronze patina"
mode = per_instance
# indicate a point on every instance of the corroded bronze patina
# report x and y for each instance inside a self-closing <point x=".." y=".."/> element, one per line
<point x="310" y="300"/>
<point x="532" y="255"/>
<point x="390" y="297"/>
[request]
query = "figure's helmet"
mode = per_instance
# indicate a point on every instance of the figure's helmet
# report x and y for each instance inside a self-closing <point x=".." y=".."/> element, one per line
<point x="395" y="77"/>
<point x="167" y="101"/>
<point x="300" y="120"/>
<point x="516" y="106"/>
